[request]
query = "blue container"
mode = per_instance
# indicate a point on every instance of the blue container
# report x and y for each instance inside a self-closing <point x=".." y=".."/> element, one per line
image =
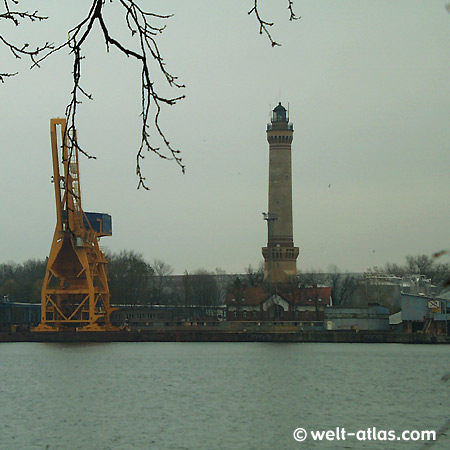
<point x="101" y="223"/>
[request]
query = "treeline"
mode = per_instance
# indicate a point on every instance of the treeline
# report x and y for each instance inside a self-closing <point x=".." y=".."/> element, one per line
<point x="430" y="266"/>
<point x="132" y="281"/>
<point x="351" y="289"/>
<point x="22" y="282"/>
<point x="359" y="289"/>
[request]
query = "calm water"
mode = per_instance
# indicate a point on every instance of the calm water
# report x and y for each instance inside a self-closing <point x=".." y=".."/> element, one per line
<point x="217" y="396"/>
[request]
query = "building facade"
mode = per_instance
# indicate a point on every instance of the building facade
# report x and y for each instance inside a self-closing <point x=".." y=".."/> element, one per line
<point x="423" y="314"/>
<point x="371" y="317"/>
<point x="18" y="316"/>
<point x="256" y="304"/>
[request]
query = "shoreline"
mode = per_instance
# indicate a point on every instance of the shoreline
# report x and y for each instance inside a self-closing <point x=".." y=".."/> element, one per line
<point x="182" y="335"/>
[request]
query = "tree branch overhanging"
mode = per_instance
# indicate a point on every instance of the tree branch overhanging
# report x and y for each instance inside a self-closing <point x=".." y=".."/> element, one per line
<point x="264" y="25"/>
<point x="144" y="27"/>
<point x="139" y="26"/>
<point x="24" y="50"/>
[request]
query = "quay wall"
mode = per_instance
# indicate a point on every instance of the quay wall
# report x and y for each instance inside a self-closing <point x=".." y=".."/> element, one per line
<point x="183" y="335"/>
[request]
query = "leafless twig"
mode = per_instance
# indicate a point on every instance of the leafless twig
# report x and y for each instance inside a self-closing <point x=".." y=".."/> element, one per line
<point x="292" y="16"/>
<point x="144" y="27"/>
<point x="6" y="75"/>
<point x="263" y="24"/>
<point x="139" y="24"/>
<point x="19" y="51"/>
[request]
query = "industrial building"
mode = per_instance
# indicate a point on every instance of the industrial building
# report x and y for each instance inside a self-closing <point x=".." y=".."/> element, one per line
<point x="257" y="304"/>
<point x="371" y="317"/>
<point x="423" y="314"/>
<point x="145" y="317"/>
<point x="18" y="316"/>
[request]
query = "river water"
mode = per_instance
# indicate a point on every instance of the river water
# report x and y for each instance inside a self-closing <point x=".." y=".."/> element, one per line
<point x="219" y="395"/>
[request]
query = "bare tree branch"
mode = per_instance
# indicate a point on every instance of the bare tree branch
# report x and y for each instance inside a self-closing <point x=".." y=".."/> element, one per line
<point x="139" y="26"/>
<point x="144" y="27"/>
<point x="263" y="24"/>
<point x="6" y="75"/>
<point x="23" y="50"/>
<point x="292" y="16"/>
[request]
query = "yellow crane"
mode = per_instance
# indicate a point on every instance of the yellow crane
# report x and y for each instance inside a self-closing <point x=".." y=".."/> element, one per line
<point x="75" y="294"/>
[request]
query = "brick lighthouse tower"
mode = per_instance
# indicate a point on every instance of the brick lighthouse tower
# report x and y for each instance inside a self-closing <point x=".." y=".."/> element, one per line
<point x="280" y="255"/>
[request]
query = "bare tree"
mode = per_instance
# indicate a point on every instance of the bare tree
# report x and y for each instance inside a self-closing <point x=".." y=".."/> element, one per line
<point x="129" y="276"/>
<point x="254" y="278"/>
<point x="344" y="286"/>
<point x="188" y="296"/>
<point x="204" y="288"/>
<point x="144" y="28"/>
<point x="396" y="269"/>
<point x="438" y="272"/>
<point x="237" y="290"/>
<point x="160" y="281"/>
<point x="420" y="264"/>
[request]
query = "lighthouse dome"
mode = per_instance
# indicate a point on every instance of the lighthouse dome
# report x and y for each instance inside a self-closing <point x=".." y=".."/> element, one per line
<point x="279" y="113"/>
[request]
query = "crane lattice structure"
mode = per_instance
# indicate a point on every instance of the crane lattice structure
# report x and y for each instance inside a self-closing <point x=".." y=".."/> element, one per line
<point x="75" y="294"/>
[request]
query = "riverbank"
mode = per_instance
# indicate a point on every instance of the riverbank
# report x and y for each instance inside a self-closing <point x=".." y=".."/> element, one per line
<point x="183" y="335"/>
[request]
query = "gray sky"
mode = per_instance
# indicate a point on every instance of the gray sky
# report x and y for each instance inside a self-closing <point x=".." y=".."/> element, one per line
<point x="367" y="83"/>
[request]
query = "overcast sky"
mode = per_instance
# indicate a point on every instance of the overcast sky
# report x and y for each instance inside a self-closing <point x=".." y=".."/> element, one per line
<point x="368" y="87"/>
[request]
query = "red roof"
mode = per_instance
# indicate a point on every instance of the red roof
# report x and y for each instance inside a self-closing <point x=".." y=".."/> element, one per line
<point x="251" y="296"/>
